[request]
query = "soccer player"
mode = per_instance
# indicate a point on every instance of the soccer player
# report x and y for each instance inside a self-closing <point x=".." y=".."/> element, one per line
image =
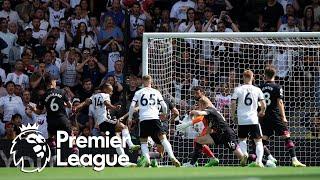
<point x="101" y="104"/>
<point x="275" y="119"/>
<point x="218" y="131"/>
<point x="55" y="101"/>
<point x="245" y="100"/>
<point x="205" y="148"/>
<point x="165" y="126"/>
<point x="150" y="124"/>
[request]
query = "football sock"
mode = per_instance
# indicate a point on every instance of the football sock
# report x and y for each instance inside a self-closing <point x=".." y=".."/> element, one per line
<point x="243" y="147"/>
<point x="196" y="153"/>
<point x="290" y="147"/>
<point x="167" y="147"/>
<point x="126" y="135"/>
<point x="145" y="151"/>
<point x="259" y="151"/>
<point x="206" y="150"/>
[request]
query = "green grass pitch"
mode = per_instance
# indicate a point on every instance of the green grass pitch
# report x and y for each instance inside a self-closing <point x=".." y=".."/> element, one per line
<point x="214" y="173"/>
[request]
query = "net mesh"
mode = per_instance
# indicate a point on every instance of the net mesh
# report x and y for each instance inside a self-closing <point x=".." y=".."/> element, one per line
<point x="216" y="64"/>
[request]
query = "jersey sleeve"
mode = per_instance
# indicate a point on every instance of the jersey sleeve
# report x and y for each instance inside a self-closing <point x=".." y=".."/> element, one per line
<point x="135" y="97"/>
<point x="64" y="96"/>
<point x="235" y="94"/>
<point x="279" y="93"/>
<point x="106" y="97"/>
<point x="160" y="98"/>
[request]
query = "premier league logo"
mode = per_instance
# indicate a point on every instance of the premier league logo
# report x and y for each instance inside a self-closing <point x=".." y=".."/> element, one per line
<point x="40" y="149"/>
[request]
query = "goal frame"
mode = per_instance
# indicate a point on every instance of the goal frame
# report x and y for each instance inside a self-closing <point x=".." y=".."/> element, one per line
<point x="147" y="36"/>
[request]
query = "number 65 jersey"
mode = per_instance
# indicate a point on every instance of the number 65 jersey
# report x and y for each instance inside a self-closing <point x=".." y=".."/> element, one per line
<point x="247" y="97"/>
<point x="148" y="100"/>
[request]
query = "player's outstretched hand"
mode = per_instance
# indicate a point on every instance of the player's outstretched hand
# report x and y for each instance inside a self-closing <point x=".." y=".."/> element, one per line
<point x="183" y="126"/>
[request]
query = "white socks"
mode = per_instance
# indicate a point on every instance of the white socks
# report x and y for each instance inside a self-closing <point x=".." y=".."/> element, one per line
<point x="120" y="150"/>
<point x="243" y="147"/>
<point x="145" y="151"/>
<point x="259" y="151"/>
<point x="126" y="135"/>
<point x="167" y="147"/>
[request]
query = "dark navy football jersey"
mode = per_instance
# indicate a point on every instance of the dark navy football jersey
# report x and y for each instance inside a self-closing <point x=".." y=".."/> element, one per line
<point x="216" y="120"/>
<point x="54" y="100"/>
<point x="271" y="93"/>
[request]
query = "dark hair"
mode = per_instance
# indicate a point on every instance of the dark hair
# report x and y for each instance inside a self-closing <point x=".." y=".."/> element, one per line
<point x="190" y="9"/>
<point x="86" y="80"/>
<point x="270" y="71"/>
<point x="198" y="88"/>
<point x="2" y="19"/>
<point x="48" y="78"/>
<point x="8" y="83"/>
<point x="16" y="116"/>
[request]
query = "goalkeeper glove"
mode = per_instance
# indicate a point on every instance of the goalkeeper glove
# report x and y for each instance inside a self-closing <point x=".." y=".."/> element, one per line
<point x="183" y="126"/>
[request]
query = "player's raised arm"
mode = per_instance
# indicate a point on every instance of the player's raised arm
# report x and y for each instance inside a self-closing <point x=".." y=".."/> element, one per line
<point x="131" y="110"/>
<point x="85" y="103"/>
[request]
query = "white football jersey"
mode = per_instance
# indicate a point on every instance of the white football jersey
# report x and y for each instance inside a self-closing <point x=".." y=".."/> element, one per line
<point x="41" y="120"/>
<point x="247" y="97"/>
<point x="148" y="99"/>
<point x="99" y="112"/>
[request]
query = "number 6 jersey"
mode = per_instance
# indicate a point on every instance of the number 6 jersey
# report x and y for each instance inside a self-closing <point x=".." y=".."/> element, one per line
<point x="247" y="97"/>
<point x="54" y="100"/>
<point x="148" y="100"/>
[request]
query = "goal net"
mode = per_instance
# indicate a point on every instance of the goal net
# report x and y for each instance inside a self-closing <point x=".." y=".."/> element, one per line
<point x="180" y="61"/>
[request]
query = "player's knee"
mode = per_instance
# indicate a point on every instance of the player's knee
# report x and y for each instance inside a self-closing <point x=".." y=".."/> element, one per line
<point x="289" y="143"/>
<point x="286" y="134"/>
<point x="162" y="136"/>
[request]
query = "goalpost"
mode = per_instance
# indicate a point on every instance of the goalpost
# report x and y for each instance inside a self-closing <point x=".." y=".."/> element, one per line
<point x="215" y="61"/>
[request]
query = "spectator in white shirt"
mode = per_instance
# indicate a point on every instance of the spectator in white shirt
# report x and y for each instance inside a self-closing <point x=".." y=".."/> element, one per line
<point x="136" y="18"/>
<point x="10" y="102"/>
<point x="44" y="25"/>
<point x="37" y="32"/>
<point x="188" y="26"/>
<point x="9" y="38"/>
<point x="290" y="26"/>
<point x="179" y="9"/>
<point x="18" y="77"/>
<point x="9" y="14"/>
<point x="27" y="105"/>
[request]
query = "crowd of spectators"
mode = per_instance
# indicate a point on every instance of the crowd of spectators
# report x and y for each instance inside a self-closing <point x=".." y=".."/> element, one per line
<point x="83" y="46"/>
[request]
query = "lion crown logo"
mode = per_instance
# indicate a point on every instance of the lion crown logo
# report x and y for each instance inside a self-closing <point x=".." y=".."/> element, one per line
<point x="40" y="149"/>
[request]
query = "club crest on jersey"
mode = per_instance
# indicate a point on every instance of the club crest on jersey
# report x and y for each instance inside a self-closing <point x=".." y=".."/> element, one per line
<point x="40" y="149"/>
